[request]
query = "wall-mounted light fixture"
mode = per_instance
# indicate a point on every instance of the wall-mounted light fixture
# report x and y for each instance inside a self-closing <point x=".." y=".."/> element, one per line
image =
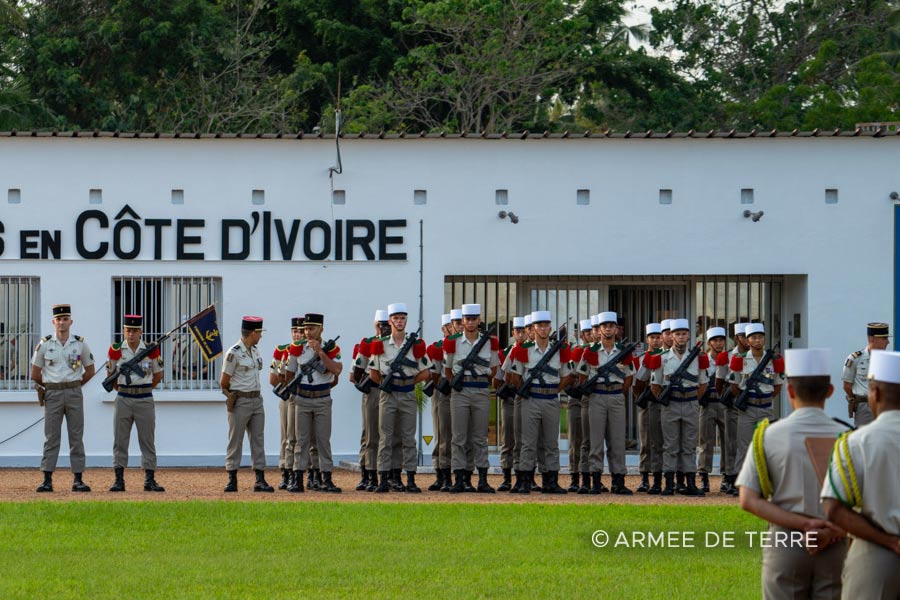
<point x="753" y="216"/>
<point x="512" y="216"/>
<point x="895" y="196"/>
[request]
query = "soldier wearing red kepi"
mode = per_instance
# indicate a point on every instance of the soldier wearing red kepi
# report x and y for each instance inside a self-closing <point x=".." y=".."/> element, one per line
<point x="470" y="362"/>
<point x="440" y="413"/>
<point x="573" y="409"/>
<point x="607" y="405"/>
<point x="319" y="367"/>
<point x="397" y="407"/>
<point x="286" y="408"/>
<point x="759" y="404"/>
<point x="368" y="452"/>
<point x="134" y="405"/>
<point x="540" y="407"/>
<point x="680" y="416"/>
<point x="712" y="411"/>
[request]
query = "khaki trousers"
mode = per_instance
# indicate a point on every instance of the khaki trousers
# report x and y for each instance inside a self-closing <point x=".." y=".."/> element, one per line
<point x="311" y="452"/>
<point x="712" y="419"/>
<point x="369" y="456"/>
<point x="656" y="437"/>
<point x="67" y="403"/>
<point x="607" y="415"/>
<point x="247" y="417"/>
<point x="470" y="412"/>
<point x="575" y="432"/>
<point x="508" y="435"/>
<point x="397" y="423"/>
<point x="863" y="415"/>
<point x="584" y="465"/>
<point x="314" y="427"/>
<point x="643" y="415"/>
<point x="870" y="571"/>
<point x="286" y="416"/>
<point x="729" y="453"/>
<point x="746" y="424"/>
<point x="140" y="412"/>
<point x="540" y="417"/>
<point x="443" y="432"/>
<point x="679" y="428"/>
<point x="789" y="572"/>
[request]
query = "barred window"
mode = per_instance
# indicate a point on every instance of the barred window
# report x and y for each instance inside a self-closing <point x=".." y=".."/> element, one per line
<point x="165" y="302"/>
<point x="20" y="304"/>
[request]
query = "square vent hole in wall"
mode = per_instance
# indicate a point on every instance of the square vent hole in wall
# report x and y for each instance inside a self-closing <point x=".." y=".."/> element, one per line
<point x="501" y="197"/>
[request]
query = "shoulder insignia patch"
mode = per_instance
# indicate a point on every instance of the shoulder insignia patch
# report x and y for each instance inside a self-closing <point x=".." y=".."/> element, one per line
<point x="47" y="338"/>
<point x="78" y="338"/>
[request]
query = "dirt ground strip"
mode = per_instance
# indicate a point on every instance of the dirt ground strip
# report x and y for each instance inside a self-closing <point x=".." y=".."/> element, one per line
<point x="18" y="485"/>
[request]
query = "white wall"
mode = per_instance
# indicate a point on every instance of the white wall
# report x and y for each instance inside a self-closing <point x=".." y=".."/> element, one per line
<point x="842" y="251"/>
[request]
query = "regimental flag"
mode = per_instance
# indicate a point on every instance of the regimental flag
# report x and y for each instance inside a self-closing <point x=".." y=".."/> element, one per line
<point x="204" y="327"/>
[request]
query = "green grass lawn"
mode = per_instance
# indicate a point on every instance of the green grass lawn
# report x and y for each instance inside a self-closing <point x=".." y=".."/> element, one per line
<point x="284" y="550"/>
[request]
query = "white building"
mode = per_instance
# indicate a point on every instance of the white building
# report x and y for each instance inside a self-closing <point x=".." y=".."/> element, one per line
<point x="650" y="225"/>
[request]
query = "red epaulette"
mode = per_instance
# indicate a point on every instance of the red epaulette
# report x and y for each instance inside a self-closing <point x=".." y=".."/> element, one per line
<point x="778" y="364"/>
<point x="365" y="347"/>
<point x="419" y="349"/>
<point x="154" y="354"/>
<point x="334" y="352"/>
<point x="501" y="356"/>
<point x="435" y="353"/>
<point x="278" y="354"/>
<point x="449" y="345"/>
<point x="115" y="352"/>
<point x="722" y="359"/>
<point x="355" y="351"/>
<point x="591" y="357"/>
<point x="577" y="353"/>
<point x="652" y="361"/>
<point x="495" y="343"/>
<point x="565" y="354"/>
<point x="635" y="361"/>
<point x="737" y="363"/>
<point x="520" y="353"/>
<point x="295" y="349"/>
<point x="376" y="348"/>
<point x="704" y="361"/>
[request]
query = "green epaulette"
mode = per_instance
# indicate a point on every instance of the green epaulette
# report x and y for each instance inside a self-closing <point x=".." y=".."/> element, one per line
<point x="439" y="344"/>
<point x="369" y="339"/>
<point x="117" y="346"/>
<point x="659" y="350"/>
<point x="455" y="335"/>
<point x="527" y="344"/>
<point x="283" y="346"/>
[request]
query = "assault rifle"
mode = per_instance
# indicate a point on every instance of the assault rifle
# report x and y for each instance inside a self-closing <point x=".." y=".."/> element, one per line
<point x="132" y="367"/>
<point x="537" y="372"/>
<point x="611" y="367"/>
<point x="755" y="379"/>
<point x="675" y="380"/>
<point x="284" y="391"/>
<point x="471" y="361"/>
<point x="507" y="391"/>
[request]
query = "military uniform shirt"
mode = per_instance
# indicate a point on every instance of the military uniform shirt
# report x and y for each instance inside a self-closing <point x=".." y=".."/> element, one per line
<point x="770" y="377"/>
<point x="643" y="372"/>
<point x="795" y="487"/>
<point x="150" y="365"/>
<point x="62" y="363"/>
<point x="856" y="371"/>
<point x="558" y="364"/>
<point x="453" y="360"/>
<point x="603" y="356"/>
<point x="875" y="451"/>
<point x="670" y="363"/>
<point x="306" y="356"/>
<point x="722" y="371"/>
<point x="244" y="365"/>
<point x="382" y="362"/>
<point x="279" y="359"/>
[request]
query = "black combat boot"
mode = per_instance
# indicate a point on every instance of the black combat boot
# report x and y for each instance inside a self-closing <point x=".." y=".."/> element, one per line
<point x="150" y="484"/>
<point x="411" y="487"/>
<point x="733" y="489"/>
<point x="574" y="487"/>
<point x="527" y="482"/>
<point x="364" y="481"/>
<point x="459" y="486"/>
<point x="373" y="481"/>
<point x="296" y="485"/>
<point x="78" y="485"/>
<point x="47" y="486"/>
<point x="585" y="483"/>
<point x="261" y="485"/>
<point x="670" y="484"/>
<point x="384" y="482"/>
<point x="520" y="481"/>
<point x="232" y="482"/>
<point x="397" y="483"/>
<point x="483" y="486"/>
<point x="691" y="487"/>
<point x="704" y="482"/>
<point x="645" y="483"/>
<point x="448" y="480"/>
<point x="506" y="484"/>
<point x="318" y="477"/>
<point x="311" y="480"/>
<point x="119" y="484"/>
<point x="679" y="482"/>
<point x="618" y="486"/>
<point x="597" y="486"/>
<point x="656" y="488"/>
<point x="328" y="484"/>
<point x="285" y="479"/>
<point x="533" y="479"/>
<point x="438" y="481"/>
<point x="725" y="484"/>
<point x="470" y="489"/>
<point x="551" y="485"/>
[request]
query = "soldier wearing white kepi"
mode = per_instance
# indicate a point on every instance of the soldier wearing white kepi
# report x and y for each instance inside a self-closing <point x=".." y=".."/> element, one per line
<point x="319" y="367"/>
<point x="134" y="404"/>
<point x="862" y="491"/>
<point x="724" y="378"/>
<point x="440" y="413"/>
<point x="470" y="400"/>
<point x="60" y="365"/>
<point x="574" y="425"/>
<point x="607" y="405"/>
<point x="778" y="483"/>
<point x="856" y="383"/>
<point x="649" y="424"/>
<point x="679" y="418"/>
<point x="397" y="407"/>
<point x="509" y="460"/>
<point x="712" y="411"/>
<point x="759" y="403"/>
<point x="540" y="409"/>
<point x="240" y="384"/>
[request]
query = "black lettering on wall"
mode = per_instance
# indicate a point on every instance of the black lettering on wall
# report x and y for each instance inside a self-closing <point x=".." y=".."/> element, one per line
<point x="244" y="251"/>
<point x="182" y="239"/>
<point x="83" y="218"/>
<point x="364" y="241"/>
<point x="326" y="240"/>
<point x="385" y="240"/>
